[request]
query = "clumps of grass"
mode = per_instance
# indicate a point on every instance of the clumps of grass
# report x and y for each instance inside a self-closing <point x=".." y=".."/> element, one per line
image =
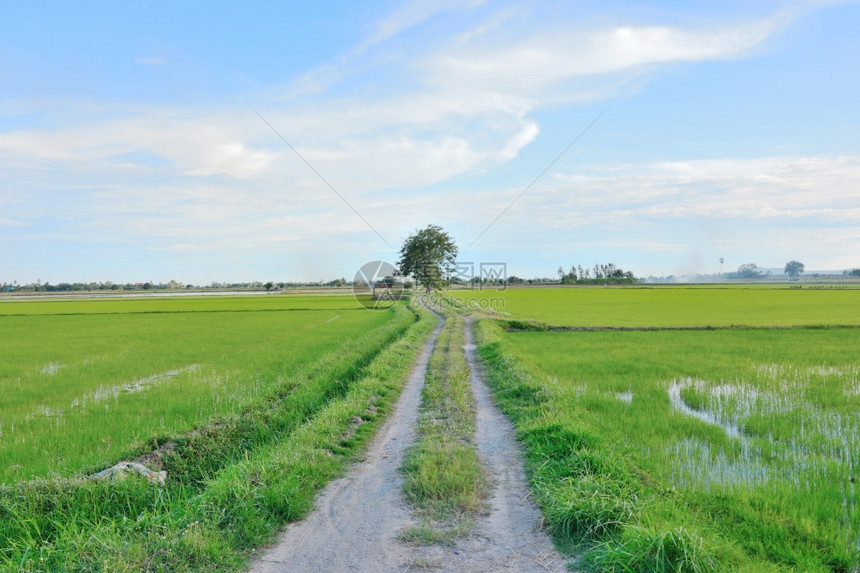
<point x="588" y="506"/>
<point x="526" y="325"/>
<point x="442" y="532"/>
<point x="423" y="563"/>
<point x="211" y="513"/>
<point x="641" y="549"/>
<point x="584" y="489"/>
<point x="445" y="480"/>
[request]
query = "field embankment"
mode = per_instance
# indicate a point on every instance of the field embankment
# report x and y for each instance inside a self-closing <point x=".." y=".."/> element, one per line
<point x="233" y="479"/>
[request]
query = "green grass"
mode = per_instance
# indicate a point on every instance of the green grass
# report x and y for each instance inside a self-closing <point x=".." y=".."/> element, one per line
<point x="166" y="304"/>
<point x="445" y="480"/>
<point x="751" y="467"/>
<point x="648" y="450"/>
<point x="232" y="483"/>
<point x="84" y="382"/>
<point x="673" y="306"/>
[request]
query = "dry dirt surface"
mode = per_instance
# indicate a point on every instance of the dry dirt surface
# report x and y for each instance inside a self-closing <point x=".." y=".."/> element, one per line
<point x="357" y="519"/>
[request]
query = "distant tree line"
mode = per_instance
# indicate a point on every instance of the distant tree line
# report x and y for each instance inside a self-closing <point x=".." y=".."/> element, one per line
<point x="40" y="286"/>
<point x="510" y="280"/>
<point x="598" y="274"/>
<point x="793" y="269"/>
<point x="748" y="271"/>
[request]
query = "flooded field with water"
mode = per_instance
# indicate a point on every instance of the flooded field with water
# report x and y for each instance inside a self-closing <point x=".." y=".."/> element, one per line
<point x="765" y="418"/>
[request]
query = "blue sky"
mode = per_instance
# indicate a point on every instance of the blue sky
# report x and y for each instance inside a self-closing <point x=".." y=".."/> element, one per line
<point x="131" y="148"/>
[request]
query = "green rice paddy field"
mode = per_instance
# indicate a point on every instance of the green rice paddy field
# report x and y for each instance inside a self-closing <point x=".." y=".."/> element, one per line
<point x="734" y="448"/>
<point x="672" y="306"/>
<point x="84" y="381"/>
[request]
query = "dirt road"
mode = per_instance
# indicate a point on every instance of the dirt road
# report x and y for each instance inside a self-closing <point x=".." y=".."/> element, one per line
<point x="357" y="519"/>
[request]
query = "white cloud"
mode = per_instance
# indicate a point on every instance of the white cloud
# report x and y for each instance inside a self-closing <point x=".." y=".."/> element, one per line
<point x="818" y="188"/>
<point x="412" y="13"/>
<point x="744" y="209"/>
<point x="13" y="223"/>
<point x="831" y="2"/>
<point x="152" y="61"/>
<point x="470" y="111"/>
<point x="234" y="158"/>
<point x="404" y="141"/>
<point x="537" y="65"/>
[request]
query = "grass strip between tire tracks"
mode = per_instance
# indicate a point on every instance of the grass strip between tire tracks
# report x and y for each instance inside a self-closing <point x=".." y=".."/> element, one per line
<point x="232" y="483"/>
<point x="445" y="480"/>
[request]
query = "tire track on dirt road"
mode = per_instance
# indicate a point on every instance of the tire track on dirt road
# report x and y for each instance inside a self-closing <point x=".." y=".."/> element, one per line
<point x="514" y="520"/>
<point x="357" y="519"/>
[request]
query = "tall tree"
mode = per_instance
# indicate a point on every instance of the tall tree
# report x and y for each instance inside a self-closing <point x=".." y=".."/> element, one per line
<point x="429" y="255"/>
<point x="794" y="269"/>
